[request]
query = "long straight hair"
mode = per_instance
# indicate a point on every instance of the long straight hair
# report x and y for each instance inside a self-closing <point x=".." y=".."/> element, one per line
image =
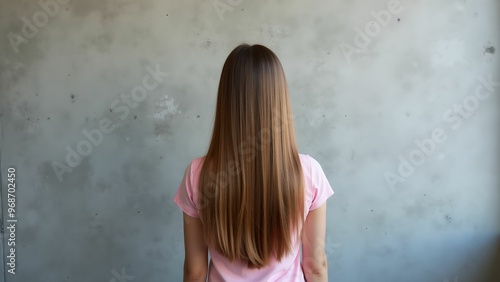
<point x="251" y="196"/>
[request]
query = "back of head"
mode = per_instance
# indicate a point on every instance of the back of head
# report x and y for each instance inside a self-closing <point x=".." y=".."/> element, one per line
<point x="251" y="185"/>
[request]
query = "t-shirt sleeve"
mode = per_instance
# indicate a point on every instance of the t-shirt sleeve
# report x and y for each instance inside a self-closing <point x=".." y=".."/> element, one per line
<point x="184" y="197"/>
<point x="320" y="185"/>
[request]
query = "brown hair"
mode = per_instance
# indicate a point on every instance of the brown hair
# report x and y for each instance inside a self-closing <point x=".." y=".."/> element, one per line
<point x="251" y="183"/>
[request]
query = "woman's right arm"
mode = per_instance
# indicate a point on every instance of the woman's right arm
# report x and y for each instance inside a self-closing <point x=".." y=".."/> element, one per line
<point x="314" y="261"/>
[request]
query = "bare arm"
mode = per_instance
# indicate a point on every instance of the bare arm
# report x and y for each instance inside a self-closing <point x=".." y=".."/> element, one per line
<point x="314" y="262"/>
<point x="196" y="251"/>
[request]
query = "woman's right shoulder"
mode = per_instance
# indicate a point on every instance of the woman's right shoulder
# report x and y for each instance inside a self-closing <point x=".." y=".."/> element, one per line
<point x="306" y="160"/>
<point x="309" y="161"/>
<point x="304" y="157"/>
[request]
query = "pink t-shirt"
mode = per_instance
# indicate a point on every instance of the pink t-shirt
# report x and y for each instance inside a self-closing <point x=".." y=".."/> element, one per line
<point x="317" y="191"/>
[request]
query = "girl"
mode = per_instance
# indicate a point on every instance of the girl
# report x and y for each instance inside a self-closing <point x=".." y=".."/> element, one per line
<point x="252" y="201"/>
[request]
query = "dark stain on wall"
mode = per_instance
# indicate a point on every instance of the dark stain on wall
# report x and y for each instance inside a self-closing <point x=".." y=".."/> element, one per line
<point x="490" y="50"/>
<point x="162" y="129"/>
<point x="101" y="42"/>
<point x="448" y="218"/>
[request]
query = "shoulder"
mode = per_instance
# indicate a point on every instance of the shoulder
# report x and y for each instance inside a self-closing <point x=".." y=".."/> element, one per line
<point x="193" y="169"/>
<point x="309" y="162"/>
<point x="313" y="163"/>
<point x="304" y="158"/>
<point x="312" y="169"/>
<point x="196" y="163"/>
<point x="305" y="161"/>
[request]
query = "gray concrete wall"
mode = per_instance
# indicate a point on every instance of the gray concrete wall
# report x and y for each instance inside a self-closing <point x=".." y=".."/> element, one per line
<point x="392" y="98"/>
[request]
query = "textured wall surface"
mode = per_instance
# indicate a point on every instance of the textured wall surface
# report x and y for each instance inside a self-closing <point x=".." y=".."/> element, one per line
<point x="104" y="103"/>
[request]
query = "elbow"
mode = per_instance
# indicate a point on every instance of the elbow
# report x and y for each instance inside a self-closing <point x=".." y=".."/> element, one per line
<point x="315" y="269"/>
<point x="194" y="278"/>
<point x="195" y="275"/>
